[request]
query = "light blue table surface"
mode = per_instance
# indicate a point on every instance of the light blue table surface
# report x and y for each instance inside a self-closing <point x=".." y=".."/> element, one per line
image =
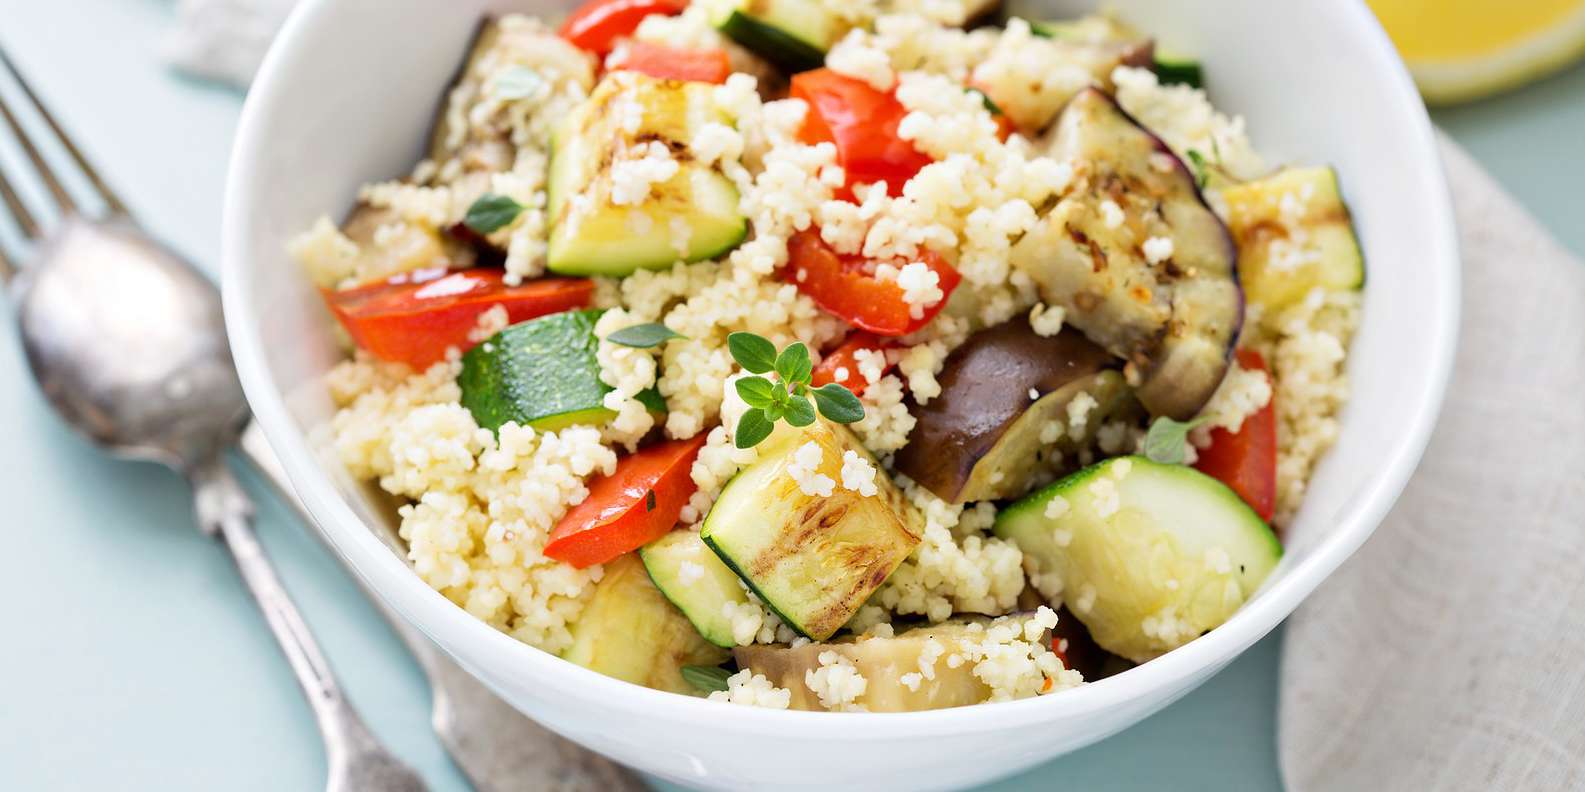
<point x="131" y="657"/>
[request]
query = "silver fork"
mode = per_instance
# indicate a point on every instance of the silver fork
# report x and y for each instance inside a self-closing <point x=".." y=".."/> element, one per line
<point x="496" y="747"/>
<point x="127" y="344"/>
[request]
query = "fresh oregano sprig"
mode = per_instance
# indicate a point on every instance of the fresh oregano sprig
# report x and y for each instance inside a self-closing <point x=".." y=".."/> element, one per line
<point x="787" y="397"/>
<point x="1165" y="441"/>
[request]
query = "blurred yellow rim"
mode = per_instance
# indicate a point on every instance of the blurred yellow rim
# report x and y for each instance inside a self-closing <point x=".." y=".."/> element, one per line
<point x="1465" y="49"/>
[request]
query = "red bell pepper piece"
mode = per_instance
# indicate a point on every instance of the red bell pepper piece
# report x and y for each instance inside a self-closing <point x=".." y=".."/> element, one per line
<point x="846" y="357"/>
<point x="846" y="285"/>
<point x="630" y="508"/>
<point x="414" y="317"/>
<point x="1246" y="461"/>
<point x="862" y="123"/>
<point x="665" y="63"/>
<point x="597" y="24"/>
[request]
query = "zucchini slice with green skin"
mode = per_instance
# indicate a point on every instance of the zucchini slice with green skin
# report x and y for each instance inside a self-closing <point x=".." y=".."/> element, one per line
<point x="696" y="581"/>
<point x="1294" y="234"/>
<point x="1174" y="68"/>
<point x="542" y="374"/>
<point x="883" y="662"/>
<point x="608" y="145"/>
<point x="1148" y="556"/>
<point x="812" y="559"/>
<point x="631" y="632"/>
<point x="793" y="34"/>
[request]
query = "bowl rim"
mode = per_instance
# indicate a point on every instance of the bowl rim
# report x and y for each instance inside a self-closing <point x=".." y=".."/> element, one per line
<point x="485" y="647"/>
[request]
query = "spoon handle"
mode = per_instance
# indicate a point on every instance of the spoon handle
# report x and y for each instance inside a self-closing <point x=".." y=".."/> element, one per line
<point x="357" y="760"/>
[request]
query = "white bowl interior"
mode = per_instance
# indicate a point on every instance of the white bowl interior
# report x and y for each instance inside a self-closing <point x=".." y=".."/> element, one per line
<point x="348" y="96"/>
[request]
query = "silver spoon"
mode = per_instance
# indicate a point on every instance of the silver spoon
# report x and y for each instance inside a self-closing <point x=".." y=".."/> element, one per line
<point x="126" y="342"/>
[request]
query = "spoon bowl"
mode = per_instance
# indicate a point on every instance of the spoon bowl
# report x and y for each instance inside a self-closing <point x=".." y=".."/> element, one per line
<point x="128" y="344"/>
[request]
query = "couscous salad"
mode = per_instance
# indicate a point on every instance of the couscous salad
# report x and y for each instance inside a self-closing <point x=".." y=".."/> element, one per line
<point x="878" y="355"/>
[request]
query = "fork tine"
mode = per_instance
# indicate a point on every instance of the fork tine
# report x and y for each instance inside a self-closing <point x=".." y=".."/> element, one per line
<point x="107" y="195"/>
<point x="62" y="198"/>
<point x="19" y="211"/>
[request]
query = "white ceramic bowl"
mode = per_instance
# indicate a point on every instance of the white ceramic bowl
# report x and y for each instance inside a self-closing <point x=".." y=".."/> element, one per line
<point x="346" y="97"/>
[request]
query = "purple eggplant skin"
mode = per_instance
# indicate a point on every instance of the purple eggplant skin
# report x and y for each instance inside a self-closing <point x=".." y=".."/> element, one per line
<point x="1174" y="322"/>
<point x="987" y="384"/>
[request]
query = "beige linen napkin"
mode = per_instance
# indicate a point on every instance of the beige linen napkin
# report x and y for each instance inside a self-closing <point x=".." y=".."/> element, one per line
<point x="1449" y="653"/>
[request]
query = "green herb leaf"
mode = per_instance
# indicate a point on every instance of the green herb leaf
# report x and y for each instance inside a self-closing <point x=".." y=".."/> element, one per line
<point x="756" y="391"/>
<point x="1165" y="440"/>
<point x="838" y="403"/>
<point x="753" y="427"/>
<point x="644" y="336"/>
<point x="1202" y="168"/>
<point x="519" y="82"/>
<point x="985" y="99"/>
<point x="710" y="679"/>
<point x="777" y="411"/>
<point x="649" y="501"/>
<point x="793" y="364"/>
<point x="800" y="412"/>
<point x="492" y="213"/>
<point x="755" y="354"/>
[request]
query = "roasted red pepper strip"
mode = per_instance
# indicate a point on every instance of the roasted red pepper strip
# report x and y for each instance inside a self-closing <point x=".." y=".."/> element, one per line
<point x="846" y="285"/>
<point x="597" y="24"/>
<point x="630" y="508"/>
<point x="665" y="63"/>
<point x="862" y="123"/>
<point x="1247" y="461"/>
<point x="846" y="357"/>
<point x="414" y="317"/>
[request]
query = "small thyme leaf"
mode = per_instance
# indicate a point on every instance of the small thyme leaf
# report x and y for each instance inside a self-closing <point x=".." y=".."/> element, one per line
<point x="837" y="403"/>
<point x="649" y="501"/>
<point x="800" y="412"/>
<point x="643" y="336"/>
<point x="1166" y="438"/>
<point x="793" y="365"/>
<point x="756" y="391"/>
<point x="492" y="213"/>
<point x="755" y="354"/>
<point x="753" y="427"/>
<point x="710" y="679"/>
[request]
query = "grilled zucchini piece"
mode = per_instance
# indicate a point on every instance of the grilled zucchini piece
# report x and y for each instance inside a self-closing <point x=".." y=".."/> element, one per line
<point x="813" y="559"/>
<point x="793" y="34"/>
<point x="1149" y="556"/>
<point x="1294" y="234"/>
<point x="624" y="190"/>
<point x="696" y="581"/>
<point x="631" y="632"/>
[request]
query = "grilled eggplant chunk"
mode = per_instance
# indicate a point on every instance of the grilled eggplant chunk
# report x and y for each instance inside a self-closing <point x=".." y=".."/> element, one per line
<point x="884" y="662"/>
<point x="813" y="559"/>
<point x="981" y="438"/>
<point x="1144" y="268"/>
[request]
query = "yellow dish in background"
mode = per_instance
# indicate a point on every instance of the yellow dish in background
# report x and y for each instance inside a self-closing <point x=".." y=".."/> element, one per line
<point x="1465" y="49"/>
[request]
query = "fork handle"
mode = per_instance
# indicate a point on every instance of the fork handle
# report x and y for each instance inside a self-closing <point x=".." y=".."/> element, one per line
<point x="357" y="761"/>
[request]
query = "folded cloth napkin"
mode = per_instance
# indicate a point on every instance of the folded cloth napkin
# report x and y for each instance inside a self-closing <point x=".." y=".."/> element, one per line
<point x="224" y="40"/>
<point x="1447" y="654"/>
